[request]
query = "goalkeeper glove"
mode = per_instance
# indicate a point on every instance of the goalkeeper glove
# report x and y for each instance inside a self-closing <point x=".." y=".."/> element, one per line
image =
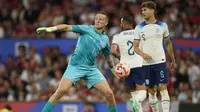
<point x="48" y="29"/>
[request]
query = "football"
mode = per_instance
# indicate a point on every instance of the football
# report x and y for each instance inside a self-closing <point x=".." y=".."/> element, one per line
<point x="122" y="70"/>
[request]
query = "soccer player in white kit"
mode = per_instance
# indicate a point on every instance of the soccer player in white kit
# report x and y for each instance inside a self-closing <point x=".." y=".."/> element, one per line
<point x="150" y="35"/>
<point x="136" y="79"/>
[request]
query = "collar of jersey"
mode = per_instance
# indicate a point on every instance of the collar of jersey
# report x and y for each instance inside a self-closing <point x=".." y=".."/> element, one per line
<point x="156" y="22"/>
<point x="103" y="32"/>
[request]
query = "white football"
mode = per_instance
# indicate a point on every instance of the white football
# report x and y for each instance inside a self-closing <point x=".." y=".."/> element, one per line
<point x="122" y="70"/>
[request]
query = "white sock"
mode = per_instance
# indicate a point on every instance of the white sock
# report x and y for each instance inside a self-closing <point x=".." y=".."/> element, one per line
<point x="139" y="96"/>
<point x="153" y="100"/>
<point x="165" y="100"/>
<point x="134" y="96"/>
<point x="140" y="107"/>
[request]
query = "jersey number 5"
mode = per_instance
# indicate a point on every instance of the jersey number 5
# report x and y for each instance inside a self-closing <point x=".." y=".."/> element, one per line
<point x="143" y="36"/>
<point x="130" y="49"/>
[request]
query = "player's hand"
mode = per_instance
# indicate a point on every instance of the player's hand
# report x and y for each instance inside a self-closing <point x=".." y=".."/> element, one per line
<point x="113" y="71"/>
<point x="46" y="29"/>
<point x="41" y="30"/>
<point x="123" y="78"/>
<point x="146" y="57"/>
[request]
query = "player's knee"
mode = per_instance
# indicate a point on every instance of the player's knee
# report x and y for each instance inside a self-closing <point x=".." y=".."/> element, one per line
<point x="162" y="87"/>
<point x="152" y="90"/>
<point x="140" y="87"/>
<point x="109" y="94"/>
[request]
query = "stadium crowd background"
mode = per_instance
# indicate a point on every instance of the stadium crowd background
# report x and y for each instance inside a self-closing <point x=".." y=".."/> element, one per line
<point x="34" y="77"/>
<point x="20" y="18"/>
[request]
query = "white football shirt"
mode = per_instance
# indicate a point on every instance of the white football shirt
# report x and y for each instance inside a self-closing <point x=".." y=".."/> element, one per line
<point x="151" y="38"/>
<point x="125" y="42"/>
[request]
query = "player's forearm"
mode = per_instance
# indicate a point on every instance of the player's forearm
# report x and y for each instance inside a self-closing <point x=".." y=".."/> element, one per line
<point x="114" y="51"/>
<point x="63" y="27"/>
<point x="170" y="49"/>
<point x="138" y="51"/>
<point x="136" y="45"/>
<point x="111" y="65"/>
<point x="116" y="55"/>
<point x="110" y="61"/>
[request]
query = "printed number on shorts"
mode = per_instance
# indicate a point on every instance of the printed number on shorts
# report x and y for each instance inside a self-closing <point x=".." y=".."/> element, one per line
<point x="162" y="74"/>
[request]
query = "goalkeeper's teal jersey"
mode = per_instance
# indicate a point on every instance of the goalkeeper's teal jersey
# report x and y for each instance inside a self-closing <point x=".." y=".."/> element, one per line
<point x="89" y="45"/>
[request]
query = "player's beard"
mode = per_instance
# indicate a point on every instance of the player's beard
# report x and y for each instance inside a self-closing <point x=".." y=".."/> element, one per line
<point x="146" y="18"/>
<point x="122" y="28"/>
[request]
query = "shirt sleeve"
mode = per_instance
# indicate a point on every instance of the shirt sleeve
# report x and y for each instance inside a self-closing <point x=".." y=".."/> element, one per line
<point x="106" y="50"/>
<point x="80" y="28"/>
<point x="114" y="40"/>
<point x="166" y="31"/>
<point x="137" y="33"/>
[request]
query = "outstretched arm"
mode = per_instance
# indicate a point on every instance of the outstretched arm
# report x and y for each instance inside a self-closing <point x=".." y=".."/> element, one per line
<point x="170" y="50"/>
<point x="111" y="64"/>
<point x="61" y="27"/>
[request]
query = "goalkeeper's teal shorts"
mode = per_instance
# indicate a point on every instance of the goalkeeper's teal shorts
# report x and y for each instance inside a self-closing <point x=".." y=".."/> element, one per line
<point x="91" y="76"/>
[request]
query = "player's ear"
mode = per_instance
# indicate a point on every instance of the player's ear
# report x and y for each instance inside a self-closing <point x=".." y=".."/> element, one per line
<point x="106" y="24"/>
<point x="106" y="21"/>
<point x="153" y="11"/>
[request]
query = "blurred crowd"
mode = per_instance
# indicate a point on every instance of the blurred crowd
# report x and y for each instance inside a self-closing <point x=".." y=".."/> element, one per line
<point x="20" y="18"/>
<point x="184" y="81"/>
<point x="31" y="76"/>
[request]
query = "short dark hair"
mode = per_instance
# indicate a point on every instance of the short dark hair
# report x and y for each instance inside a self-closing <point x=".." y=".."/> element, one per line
<point x="104" y="13"/>
<point x="149" y="4"/>
<point x="127" y="19"/>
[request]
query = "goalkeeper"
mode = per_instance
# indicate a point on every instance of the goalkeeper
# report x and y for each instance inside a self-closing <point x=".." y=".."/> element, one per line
<point x="82" y="64"/>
